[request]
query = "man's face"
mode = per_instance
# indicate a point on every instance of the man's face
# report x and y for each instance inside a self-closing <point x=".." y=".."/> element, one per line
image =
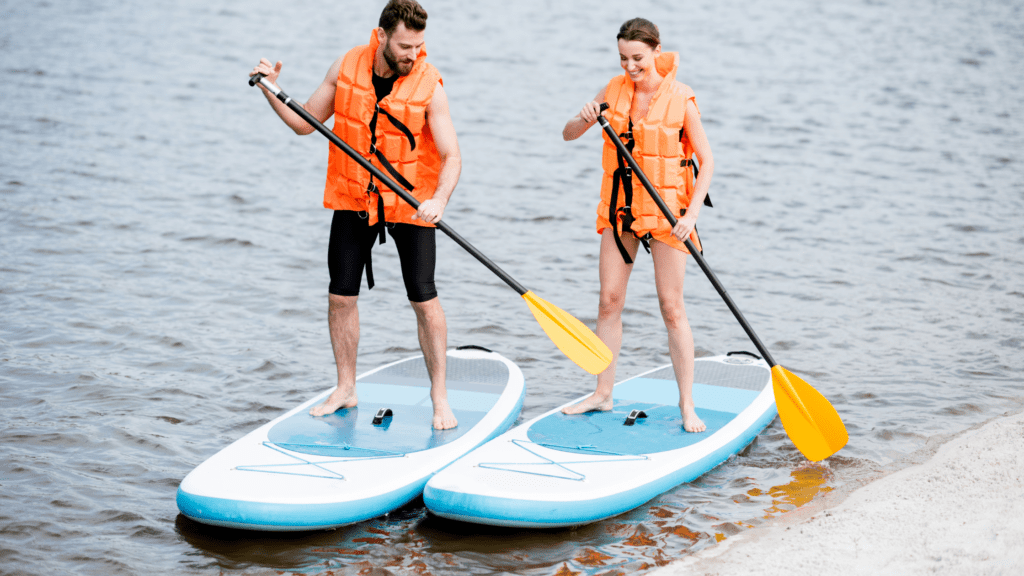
<point x="402" y="48"/>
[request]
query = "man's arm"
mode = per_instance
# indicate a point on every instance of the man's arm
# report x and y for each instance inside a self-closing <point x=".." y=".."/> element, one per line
<point x="320" y="104"/>
<point x="440" y="122"/>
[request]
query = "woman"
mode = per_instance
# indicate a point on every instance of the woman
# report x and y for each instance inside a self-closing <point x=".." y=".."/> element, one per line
<point x="658" y="119"/>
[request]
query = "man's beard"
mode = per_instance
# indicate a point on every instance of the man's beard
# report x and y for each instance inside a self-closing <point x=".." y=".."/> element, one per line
<point x="393" y="63"/>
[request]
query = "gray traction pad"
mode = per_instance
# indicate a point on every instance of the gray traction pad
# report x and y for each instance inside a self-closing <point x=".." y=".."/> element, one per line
<point x="715" y="373"/>
<point x="480" y="375"/>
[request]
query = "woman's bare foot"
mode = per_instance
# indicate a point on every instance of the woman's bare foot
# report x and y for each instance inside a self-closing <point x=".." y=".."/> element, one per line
<point x="590" y="404"/>
<point x="691" y="422"/>
<point x="340" y="398"/>
<point x="444" y="419"/>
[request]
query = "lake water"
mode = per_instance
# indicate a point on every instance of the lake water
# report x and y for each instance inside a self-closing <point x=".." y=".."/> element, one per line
<point x="163" y="248"/>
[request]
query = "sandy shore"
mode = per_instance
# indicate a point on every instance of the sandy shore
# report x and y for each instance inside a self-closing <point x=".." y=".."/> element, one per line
<point x="962" y="512"/>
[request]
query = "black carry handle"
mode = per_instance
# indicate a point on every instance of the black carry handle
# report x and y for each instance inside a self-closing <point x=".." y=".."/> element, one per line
<point x="689" y="245"/>
<point x="383" y="413"/>
<point x="255" y="78"/>
<point x="633" y="415"/>
<point x="384" y="178"/>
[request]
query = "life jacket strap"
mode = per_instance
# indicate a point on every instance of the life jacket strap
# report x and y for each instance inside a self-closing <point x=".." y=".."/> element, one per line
<point x="372" y="187"/>
<point x="623" y="215"/>
<point x="696" y="172"/>
<point x="394" y="121"/>
<point x="369" y="254"/>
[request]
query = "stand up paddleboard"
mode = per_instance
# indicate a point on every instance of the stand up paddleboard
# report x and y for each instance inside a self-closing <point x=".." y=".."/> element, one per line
<point x="559" y="470"/>
<point x="300" y="472"/>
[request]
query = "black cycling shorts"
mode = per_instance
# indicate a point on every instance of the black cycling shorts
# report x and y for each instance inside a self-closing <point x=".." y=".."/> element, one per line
<point x="349" y="251"/>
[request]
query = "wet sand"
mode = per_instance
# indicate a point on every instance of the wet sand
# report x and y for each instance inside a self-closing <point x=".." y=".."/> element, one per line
<point x="961" y="512"/>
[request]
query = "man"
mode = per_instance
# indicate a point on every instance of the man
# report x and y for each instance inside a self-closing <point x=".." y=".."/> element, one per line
<point x="390" y="106"/>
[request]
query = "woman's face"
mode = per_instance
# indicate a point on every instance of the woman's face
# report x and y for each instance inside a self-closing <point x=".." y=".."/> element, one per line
<point x="637" y="58"/>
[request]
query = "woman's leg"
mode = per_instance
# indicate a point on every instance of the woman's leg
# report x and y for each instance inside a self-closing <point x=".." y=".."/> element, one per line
<point x="669" y="273"/>
<point x="614" y="275"/>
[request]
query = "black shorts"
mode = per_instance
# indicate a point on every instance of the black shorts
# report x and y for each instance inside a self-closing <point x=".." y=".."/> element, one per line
<point x="349" y="251"/>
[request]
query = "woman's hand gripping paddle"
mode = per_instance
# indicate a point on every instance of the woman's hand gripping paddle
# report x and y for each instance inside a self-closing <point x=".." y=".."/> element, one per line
<point x="571" y="336"/>
<point x="809" y="419"/>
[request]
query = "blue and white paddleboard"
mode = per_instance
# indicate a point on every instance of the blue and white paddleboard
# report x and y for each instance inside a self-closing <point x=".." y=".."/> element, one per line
<point x="558" y="470"/>
<point x="300" y="472"/>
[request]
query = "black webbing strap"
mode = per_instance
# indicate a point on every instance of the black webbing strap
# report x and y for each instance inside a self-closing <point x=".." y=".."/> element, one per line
<point x="623" y="176"/>
<point x="696" y="170"/>
<point x="405" y="130"/>
<point x="368" y="258"/>
<point x="372" y="188"/>
<point x="380" y="155"/>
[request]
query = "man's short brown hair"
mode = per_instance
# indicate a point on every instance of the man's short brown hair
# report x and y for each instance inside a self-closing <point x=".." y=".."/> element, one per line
<point x="408" y="12"/>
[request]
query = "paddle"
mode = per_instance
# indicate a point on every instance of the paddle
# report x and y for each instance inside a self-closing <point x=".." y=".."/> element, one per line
<point x="809" y="419"/>
<point x="571" y="336"/>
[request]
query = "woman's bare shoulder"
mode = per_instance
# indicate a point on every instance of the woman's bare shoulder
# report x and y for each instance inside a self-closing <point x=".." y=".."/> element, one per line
<point x="681" y="89"/>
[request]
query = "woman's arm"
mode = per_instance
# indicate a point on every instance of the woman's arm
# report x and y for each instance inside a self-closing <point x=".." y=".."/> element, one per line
<point x="702" y="150"/>
<point x="582" y="122"/>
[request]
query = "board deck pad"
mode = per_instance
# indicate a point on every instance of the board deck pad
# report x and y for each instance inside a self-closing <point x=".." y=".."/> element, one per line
<point x="405" y="389"/>
<point x="719" y="391"/>
<point x="561" y="470"/>
<point x="302" y="472"/>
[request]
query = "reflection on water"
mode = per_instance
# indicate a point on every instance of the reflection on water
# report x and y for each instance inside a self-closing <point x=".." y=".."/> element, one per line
<point x="808" y="482"/>
<point x="162" y="251"/>
<point x="411" y="541"/>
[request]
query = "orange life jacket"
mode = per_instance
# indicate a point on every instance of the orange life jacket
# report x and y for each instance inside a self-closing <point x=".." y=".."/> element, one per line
<point x="401" y="143"/>
<point x="662" y="151"/>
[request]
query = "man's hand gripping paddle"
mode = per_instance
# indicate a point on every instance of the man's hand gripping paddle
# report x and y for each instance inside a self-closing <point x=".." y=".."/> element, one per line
<point x="571" y="336"/>
<point x="809" y="419"/>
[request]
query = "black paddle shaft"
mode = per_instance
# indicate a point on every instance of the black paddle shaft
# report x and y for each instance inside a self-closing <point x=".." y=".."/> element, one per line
<point x="378" y="174"/>
<point x="689" y="245"/>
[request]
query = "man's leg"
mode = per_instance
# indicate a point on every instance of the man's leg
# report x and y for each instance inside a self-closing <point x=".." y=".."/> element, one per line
<point x="343" y="321"/>
<point x="418" y="256"/>
<point x="433" y="334"/>
<point x="350" y="243"/>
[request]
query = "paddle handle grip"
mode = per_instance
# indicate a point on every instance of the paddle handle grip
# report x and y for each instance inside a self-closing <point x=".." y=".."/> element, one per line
<point x="384" y="178"/>
<point x="610" y="132"/>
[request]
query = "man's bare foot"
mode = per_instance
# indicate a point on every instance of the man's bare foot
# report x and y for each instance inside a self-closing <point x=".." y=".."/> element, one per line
<point x="336" y="401"/>
<point x="590" y="404"/>
<point x="691" y="422"/>
<point x="444" y="419"/>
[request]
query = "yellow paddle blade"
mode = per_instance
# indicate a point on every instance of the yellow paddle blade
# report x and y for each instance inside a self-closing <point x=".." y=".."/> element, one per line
<point x="810" y="420"/>
<point x="571" y="336"/>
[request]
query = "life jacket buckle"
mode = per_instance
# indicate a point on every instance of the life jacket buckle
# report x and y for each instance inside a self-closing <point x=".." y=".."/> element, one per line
<point x="645" y="240"/>
<point x="625" y="215"/>
<point x="363" y="215"/>
<point x="371" y="188"/>
<point x="373" y="148"/>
